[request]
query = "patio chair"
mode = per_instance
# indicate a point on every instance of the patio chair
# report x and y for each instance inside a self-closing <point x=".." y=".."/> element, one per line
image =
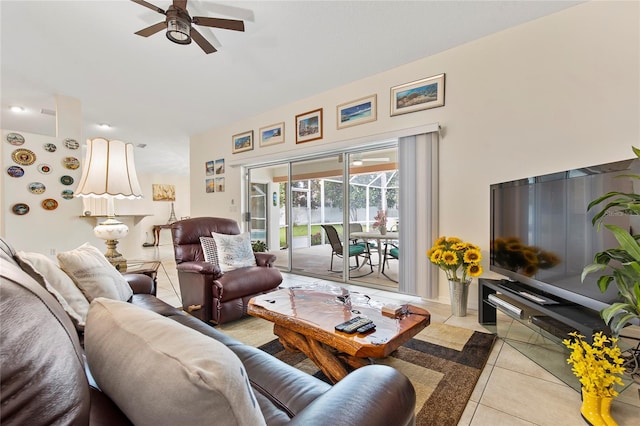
<point x="337" y="249"/>
<point x="392" y="253"/>
<point x="368" y="245"/>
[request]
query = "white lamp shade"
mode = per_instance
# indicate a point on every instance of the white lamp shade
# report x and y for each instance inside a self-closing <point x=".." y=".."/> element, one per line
<point x="109" y="171"/>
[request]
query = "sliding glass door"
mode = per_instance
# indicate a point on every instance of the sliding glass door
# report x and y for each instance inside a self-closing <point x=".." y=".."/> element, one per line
<point x="373" y="194"/>
<point x="315" y="202"/>
<point x="307" y="215"/>
<point x="258" y="210"/>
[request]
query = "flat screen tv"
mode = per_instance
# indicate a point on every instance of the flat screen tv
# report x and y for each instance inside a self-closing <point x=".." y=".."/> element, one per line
<point x="542" y="235"/>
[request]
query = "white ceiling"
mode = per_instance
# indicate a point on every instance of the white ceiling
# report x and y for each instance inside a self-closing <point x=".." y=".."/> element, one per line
<point x="158" y="93"/>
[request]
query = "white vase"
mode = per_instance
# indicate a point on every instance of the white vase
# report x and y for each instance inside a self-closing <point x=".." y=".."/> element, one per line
<point x="459" y="293"/>
<point x="383" y="229"/>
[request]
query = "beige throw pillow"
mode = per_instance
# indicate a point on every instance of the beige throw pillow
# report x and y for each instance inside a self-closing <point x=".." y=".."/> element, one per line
<point x="93" y="274"/>
<point x="54" y="279"/>
<point x="234" y="251"/>
<point x="160" y="372"/>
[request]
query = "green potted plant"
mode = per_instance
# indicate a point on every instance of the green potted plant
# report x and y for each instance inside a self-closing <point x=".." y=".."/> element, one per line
<point x="259" y="246"/>
<point x="622" y="262"/>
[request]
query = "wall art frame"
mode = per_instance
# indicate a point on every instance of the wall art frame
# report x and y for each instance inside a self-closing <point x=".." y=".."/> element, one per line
<point x="163" y="192"/>
<point x="418" y="95"/>
<point x="359" y="111"/>
<point x="219" y="166"/>
<point x="309" y="126"/>
<point x="210" y="186"/>
<point x="209" y="167"/>
<point x="242" y="142"/>
<point x="272" y="134"/>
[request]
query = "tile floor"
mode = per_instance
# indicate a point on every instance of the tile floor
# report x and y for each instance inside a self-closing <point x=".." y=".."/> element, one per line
<point x="512" y="389"/>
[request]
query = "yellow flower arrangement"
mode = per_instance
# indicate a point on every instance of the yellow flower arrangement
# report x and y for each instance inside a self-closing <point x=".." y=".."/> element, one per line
<point x="452" y="255"/>
<point x="598" y="365"/>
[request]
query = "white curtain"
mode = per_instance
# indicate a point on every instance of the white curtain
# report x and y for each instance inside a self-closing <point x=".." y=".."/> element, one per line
<point x="418" y="157"/>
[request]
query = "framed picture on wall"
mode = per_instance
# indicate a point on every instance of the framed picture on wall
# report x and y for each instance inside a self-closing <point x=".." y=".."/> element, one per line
<point x="210" y="185"/>
<point x="242" y="142"/>
<point x="360" y="111"/>
<point x="272" y="135"/>
<point x="162" y="192"/>
<point x="418" y="95"/>
<point x="219" y="182"/>
<point x="309" y="126"/>
<point x="209" y="167"/>
<point x="219" y="168"/>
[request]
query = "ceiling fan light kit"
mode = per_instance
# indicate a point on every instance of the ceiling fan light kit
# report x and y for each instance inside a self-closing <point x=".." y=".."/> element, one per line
<point x="178" y="28"/>
<point x="178" y="25"/>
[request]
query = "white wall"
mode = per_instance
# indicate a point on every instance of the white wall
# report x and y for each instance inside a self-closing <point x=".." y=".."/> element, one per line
<point x="64" y="228"/>
<point x="552" y="94"/>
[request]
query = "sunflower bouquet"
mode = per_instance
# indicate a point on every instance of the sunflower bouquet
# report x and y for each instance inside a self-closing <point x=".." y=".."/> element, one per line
<point x="598" y="366"/>
<point x="456" y="258"/>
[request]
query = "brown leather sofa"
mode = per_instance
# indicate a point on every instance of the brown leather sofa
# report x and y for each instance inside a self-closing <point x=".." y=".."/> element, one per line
<point x="45" y="380"/>
<point x="208" y="293"/>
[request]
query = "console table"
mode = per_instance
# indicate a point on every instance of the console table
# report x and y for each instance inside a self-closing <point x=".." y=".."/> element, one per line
<point x="156" y="232"/>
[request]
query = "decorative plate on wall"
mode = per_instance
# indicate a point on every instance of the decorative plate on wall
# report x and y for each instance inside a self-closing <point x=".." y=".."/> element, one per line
<point x="37" y="188"/>
<point x="20" y="209"/>
<point x="71" y="143"/>
<point x="67" y="194"/>
<point x="15" y="171"/>
<point x="15" y="138"/>
<point x="45" y="169"/>
<point x="66" y="180"/>
<point x="50" y="147"/>
<point x="71" y="163"/>
<point x="49" y="204"/>
<point x="24" y="157"/>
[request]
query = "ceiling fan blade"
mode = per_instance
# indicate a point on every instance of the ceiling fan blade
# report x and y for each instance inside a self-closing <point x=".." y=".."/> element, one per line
<point x="181" y="4"/>
<point x="202" y="42"/>
<point x="150" y="6"/>
<point x="226" y="24"/>
<point x="146" y="32"/>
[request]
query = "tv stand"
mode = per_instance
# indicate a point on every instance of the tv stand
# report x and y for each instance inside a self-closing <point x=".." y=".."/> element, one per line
<point x="536" y="324"/>
<point x="537" y="304"/>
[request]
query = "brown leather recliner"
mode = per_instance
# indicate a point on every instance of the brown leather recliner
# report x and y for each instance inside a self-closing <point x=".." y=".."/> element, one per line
<point x="207" y="293"/>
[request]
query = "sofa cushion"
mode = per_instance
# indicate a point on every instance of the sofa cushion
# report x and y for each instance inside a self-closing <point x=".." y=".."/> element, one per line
<point x="160" y="372"/>
<point x="234" y="251"/>
<point x="209" y="250"/>
<point x="57" y="282"/>
<point x="93" y="274"/>
<point x="42" y="373"/>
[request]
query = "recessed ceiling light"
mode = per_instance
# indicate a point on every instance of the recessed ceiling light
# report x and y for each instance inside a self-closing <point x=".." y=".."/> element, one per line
<point x="357" y="163"/>
<point x="16" y="108"/>
<point x="104" y="126"/>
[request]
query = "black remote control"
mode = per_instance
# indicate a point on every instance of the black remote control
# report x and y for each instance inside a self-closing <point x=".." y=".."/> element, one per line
<point x="366" y="328"/>
<point x="341" y="326"/>
<point x="352" y="325"/>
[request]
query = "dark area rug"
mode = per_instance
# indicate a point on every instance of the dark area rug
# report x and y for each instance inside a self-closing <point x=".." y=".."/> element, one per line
<point x="443" y="363"/>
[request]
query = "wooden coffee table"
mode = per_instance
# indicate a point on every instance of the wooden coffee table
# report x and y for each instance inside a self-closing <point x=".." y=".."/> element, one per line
<point x="304" y="319"/>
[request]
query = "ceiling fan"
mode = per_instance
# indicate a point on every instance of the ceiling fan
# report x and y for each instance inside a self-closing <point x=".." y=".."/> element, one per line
<point x="178" y="24"/>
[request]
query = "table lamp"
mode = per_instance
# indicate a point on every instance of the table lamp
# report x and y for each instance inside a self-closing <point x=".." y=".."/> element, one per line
<point x="109" y="172"/>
